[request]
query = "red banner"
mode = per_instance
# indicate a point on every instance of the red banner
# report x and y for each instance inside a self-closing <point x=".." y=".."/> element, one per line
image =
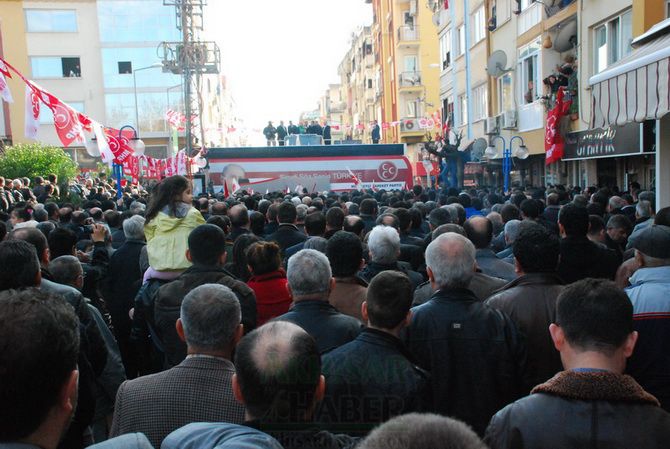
<point x="554" y="143"/>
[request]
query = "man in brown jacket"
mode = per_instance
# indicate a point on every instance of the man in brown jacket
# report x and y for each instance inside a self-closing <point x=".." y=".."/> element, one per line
<point x="345" y="254"/>
<point x="530" y="299"/>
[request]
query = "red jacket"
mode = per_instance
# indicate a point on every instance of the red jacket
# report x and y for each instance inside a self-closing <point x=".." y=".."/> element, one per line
<point x="272" y="298"/>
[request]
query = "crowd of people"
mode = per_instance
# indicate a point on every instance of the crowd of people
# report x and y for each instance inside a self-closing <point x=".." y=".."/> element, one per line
<point x="281" y="132"/>
<point x="539" y="318"/>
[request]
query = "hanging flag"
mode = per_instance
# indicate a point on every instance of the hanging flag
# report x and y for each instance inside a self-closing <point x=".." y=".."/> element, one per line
<point x="232" y="129"/>
<point x="357" y="182"/>
<point x="385" y="125"/>
<point x="181" y="163"/>
<point x="69" y="124"/>
<point x="32" y="114"/>
<point x="4" y="69"/>
<point x="5" y="93"/>
<point x="446" y="4"/>
<point x="360" y="126"/>
<point x="554" y="143"/>
<point x="299" y="188"/>
<point x="236" y="185"/>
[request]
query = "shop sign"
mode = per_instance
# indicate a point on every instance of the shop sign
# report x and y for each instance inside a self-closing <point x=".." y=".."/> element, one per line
<point x="626" y="140"/>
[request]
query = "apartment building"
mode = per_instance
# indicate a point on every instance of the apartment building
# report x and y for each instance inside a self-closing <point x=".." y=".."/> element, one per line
<point x="102" y="58"/>
<point x="408" y="53"/>
<point x="332" y="110"/>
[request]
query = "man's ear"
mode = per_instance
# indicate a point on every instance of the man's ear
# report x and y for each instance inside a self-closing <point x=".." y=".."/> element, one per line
<point x="639" y="259"/>
<point x="408" y="319"/>
<point x="238" y="334"/>
<point x="331" y="285"/>
<point x="557" y="336"/>
<point x="223" y="258"/>
<point x="361" y="265"/>
<point x="320" y="389"/>
<point x="629" y="345"/>
<point x="67" y="399"/>
<point x="180" y="330"/>
<point x="288" y="289"/>
<point x="364" y="311"/>
<point x="188" y="255"/>
<point x="237" y="390"/>
<point x="517" y="267"/>
<point x="431" y="277"/>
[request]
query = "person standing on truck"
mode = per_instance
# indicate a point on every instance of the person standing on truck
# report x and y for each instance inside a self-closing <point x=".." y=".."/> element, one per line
<point x="326" y="134"/>
<point x="375" y="134"/>
<point x="270" y="133"/>
<point x="281" y="133"/>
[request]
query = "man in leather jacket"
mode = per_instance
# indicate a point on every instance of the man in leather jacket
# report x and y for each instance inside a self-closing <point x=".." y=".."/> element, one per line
<point x="592" y="403"/>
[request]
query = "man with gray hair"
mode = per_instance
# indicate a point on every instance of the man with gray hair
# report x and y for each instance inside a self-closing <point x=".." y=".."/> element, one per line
<point x="384" y="247"/>
<point x="644" y="217"/>
<point x="310" y="282"/>
<point x="511" y="231"/>
<point x="200" y="387"/>
<point x="474" y="352"/>
<point x="123" y="281"/>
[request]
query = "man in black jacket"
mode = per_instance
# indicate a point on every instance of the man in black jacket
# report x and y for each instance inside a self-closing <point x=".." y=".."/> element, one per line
<point x="207" y="251"/>
<point x="287" y="234"/>
<point x="310" y="282"/>
<point x="474" y="353"/>
<point x="282" y="132"/>
<point x="592" y="403"/>
<point x="580" y="257"/>
<point x="374" y="378"/>
<point x="123" y="281"/>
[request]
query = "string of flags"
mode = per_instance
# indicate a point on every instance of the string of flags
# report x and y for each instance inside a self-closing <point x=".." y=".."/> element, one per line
<point x="73" y="127"/>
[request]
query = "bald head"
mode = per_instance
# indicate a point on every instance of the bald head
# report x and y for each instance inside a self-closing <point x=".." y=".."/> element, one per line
<point x="278" y="372"/>
<point x="450" y="259"/>
<point x="239" y="216"/>
<point x="479" y="230"/>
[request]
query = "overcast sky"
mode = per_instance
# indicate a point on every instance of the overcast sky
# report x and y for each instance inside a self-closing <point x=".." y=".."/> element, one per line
<point x="279" y="56"/>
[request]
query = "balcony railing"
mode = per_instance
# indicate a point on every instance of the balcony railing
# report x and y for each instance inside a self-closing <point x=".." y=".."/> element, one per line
<point x="410" y="79"/>
<point x="530" y="17"/>
<point x="408" y="33"/>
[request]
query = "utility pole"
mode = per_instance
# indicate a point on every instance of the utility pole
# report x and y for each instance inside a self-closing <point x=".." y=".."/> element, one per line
<point x="191" y="58"/>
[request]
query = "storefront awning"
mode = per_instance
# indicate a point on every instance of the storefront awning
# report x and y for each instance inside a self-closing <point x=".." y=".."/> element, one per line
<point x="635" y="88"/>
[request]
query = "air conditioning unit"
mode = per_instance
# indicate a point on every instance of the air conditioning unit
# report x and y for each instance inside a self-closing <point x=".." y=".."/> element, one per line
<point x="409" y="125"/>
<point x="508" y="120"/>
<point x="491" y="126"/>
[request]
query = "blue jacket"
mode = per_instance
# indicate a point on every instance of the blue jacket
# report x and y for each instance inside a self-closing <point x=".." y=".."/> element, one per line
<point x="650" y="363"/>
<point x="219" y="436"/>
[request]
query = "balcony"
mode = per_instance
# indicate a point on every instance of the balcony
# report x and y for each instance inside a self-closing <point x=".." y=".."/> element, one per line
<point x="531" y="116"/>
<point x="408" y="35"/>
<point x="369" y="61"/>
<point x="410" y="79"/>
<point x="529" y="17"/>
<point x="370" y="96"/>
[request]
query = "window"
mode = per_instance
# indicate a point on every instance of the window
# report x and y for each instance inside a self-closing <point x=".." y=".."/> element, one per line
<point x="478" y="25"/>
<point x="460" y="43"/>
<point x="51" y="20"/>
<point x="412" y="109"/>
<point x="505" y="93"/>
<point x="612" y="41"/>
<point x="529" y="72"/>
<point x="445" y="49"/>
<point x="369" y="83"/>
<point x="47" y="117"/>
<point x="463" y="110"/>
<point x="523" y="4"/>
<point x="410" y="63"/>
<point x="448" y="110"/>
<point x="125" y="68"/>
<point x="480" y="103"/>
<point x="55" y="67"/>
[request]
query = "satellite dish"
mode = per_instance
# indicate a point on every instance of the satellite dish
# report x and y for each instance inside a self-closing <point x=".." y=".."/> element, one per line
<point x="478" y="148"/>
<point x="496" y="64"/>
<point x="566" y="38"/>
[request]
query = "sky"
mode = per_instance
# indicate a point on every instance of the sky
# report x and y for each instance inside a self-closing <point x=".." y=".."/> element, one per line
<point x="280" y="55"/>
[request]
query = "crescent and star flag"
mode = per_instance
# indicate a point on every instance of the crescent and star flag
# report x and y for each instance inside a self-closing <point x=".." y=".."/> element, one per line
<point x="32" y="114"/>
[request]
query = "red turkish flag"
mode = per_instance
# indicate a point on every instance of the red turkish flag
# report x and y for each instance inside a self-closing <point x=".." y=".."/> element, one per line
<point x="385" y="125"/>
<point x="118" y="145"/>
<point x="69" y="124"/>
<point x="32" y="123"/>
<point x="554" y="144"/>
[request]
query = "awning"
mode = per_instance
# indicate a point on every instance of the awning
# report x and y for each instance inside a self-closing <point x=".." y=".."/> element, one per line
<point x="635" y="88"/>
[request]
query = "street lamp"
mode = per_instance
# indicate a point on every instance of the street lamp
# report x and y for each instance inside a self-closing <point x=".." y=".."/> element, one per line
<point x="137" y="113"/>
<point x="520" y="152"/>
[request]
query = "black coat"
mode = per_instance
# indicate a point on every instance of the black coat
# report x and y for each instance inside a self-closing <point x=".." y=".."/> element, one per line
<point x="286" y="236"/>
<point x="369" y="381"/>
<point x="372" y="269"/>
<point x="124" y="279"/>
<point x="581" y="259"/>
<point x="474" y="353"/>
<point x="330" y="328"/>
<point x="582" y="410"/>
<point x="170" y="296"/>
